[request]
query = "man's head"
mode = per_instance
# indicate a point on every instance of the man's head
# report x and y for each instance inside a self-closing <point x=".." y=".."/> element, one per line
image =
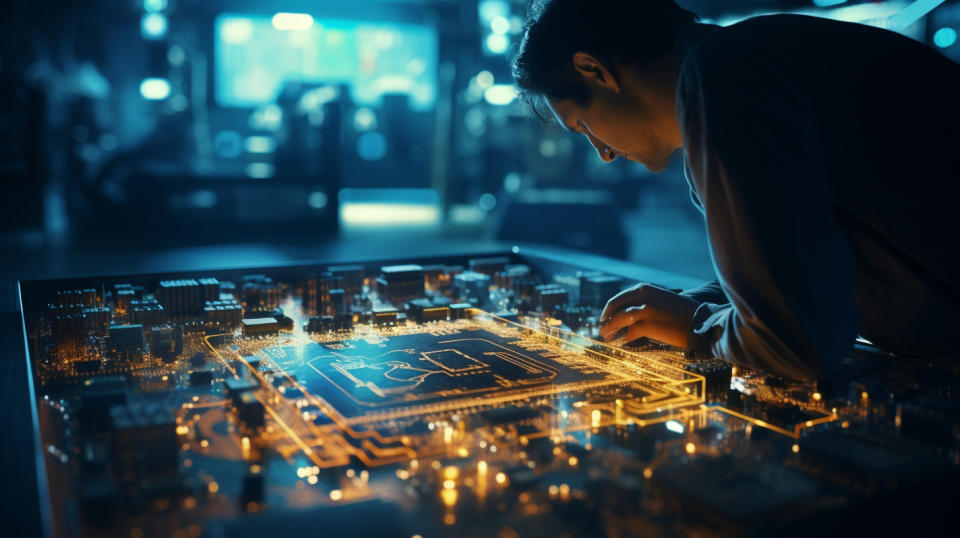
<point x="603" y="68"/>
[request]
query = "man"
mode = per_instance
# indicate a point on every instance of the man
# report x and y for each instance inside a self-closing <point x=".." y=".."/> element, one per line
<point x="822" y="154"/>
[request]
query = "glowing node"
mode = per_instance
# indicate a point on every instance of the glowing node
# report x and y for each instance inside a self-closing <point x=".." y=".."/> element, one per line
<point x="449" y="497"/>
<point x="595" y="418"/>
<point x="674" y="426"/>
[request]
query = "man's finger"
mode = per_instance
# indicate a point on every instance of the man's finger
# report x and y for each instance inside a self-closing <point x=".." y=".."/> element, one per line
<point x="628" y="297"/>
<point x="620" y="320"/>
<point x="636" y="331"/>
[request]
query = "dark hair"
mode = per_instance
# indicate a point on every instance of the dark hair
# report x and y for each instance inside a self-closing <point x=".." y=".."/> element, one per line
<point x="635" y="32"/>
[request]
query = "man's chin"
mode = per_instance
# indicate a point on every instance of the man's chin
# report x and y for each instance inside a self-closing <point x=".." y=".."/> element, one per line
<point x="656" y="164"/>
<point x="656" y="167"/>
<point x="653" y="165"/>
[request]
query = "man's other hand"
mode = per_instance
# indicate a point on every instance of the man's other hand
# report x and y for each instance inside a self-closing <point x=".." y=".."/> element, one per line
<point x="648" y="311"/>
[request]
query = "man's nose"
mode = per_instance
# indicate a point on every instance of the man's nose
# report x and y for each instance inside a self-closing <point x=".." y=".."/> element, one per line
<point x="606" y="154"/>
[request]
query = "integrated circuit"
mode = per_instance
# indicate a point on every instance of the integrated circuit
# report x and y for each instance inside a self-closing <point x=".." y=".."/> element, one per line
<point x="450" y="401"/>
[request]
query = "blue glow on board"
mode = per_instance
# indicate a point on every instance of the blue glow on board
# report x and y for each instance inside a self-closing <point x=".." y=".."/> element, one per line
<point x="253" y="58"/>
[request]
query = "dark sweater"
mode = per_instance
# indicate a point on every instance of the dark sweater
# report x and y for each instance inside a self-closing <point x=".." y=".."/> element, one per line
<point x="825" y="157"/>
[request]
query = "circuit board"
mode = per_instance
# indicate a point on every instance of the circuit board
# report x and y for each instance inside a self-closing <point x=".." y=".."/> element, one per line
<point x="447" y="397"/>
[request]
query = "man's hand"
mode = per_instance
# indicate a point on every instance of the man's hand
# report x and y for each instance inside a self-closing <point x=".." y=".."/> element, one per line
<point x="648" y="311"/>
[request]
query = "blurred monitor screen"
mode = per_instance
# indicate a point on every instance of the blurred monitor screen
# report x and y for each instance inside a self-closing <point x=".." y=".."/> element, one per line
<point x="256" y="55"/>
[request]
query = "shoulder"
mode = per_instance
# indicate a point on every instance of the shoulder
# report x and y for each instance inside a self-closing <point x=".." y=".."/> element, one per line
<point x="748" y="55"/>
<point x="779" y="37"/>
<point x="749" y="37"/>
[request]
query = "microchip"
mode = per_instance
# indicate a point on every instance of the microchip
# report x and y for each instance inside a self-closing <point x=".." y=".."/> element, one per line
<point x="460" y="310"/>
<point x="424" y="311"/>
<point x="236" y="386"/>
<point x="127" y="336"/>
<point x="385" y="318"/>
<point x="199" y="378"/>
<point x="260" y="326"/>
<point x="507" y="415"/>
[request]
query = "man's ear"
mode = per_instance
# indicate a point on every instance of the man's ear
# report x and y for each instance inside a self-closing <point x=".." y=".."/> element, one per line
<point x="593" y="70"/>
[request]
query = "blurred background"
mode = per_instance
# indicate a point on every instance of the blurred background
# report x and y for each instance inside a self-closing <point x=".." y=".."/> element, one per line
<point x="142" y="135"/>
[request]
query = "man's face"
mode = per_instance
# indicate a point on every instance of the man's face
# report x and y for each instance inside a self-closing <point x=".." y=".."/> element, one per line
<point x="618" y="128"/>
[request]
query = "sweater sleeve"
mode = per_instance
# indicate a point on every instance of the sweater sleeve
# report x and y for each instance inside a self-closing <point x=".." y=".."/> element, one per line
<point x="711" y="292"/>
<point x="760" y="174"/>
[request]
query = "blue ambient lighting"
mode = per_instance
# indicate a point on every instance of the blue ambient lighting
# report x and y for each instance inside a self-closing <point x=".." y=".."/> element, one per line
<point x="155" y="89"/>
<point x="254" y="56"/>
<point x="945" y="37"/>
